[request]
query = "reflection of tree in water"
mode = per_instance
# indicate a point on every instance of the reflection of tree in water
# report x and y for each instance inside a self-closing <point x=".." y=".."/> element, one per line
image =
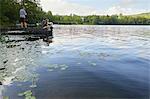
<point x="16" y="61"/>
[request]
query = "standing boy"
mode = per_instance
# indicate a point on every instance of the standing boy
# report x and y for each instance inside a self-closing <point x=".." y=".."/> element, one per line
<point x="23" y="16"/>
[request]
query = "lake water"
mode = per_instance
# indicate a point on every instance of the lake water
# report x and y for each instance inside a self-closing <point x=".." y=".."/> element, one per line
<point x="81" y="62"/>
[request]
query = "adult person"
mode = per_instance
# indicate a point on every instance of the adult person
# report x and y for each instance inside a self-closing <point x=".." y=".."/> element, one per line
<point x="46" y="24"/>
<point x="23" y="16"/>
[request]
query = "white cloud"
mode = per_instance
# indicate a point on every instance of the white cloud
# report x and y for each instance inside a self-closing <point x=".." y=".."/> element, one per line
<point x="63" y="7"/>
<point x="127" y="11"/>
<point x="127" y="2"/>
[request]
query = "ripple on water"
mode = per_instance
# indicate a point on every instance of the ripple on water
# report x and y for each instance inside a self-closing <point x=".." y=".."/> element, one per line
<point x="82" y="62"/>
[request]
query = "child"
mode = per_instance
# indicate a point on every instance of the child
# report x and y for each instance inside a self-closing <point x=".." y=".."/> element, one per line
<point x="23" y="15"/>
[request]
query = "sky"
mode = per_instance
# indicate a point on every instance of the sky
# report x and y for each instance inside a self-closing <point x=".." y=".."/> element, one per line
<point x="96" y="7"/>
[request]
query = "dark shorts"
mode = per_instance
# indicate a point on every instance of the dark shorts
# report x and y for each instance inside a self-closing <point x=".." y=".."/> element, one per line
<point x="22" y="20"/>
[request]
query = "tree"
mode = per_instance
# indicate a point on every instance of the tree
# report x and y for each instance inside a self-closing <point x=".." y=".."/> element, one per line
<point x="49" y="15"/>
<point x="9" y="12"/>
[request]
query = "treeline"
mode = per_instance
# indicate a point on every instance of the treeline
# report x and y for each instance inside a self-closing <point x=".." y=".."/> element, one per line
<point x="102" y="20"/>
<point x="9" y="15"/>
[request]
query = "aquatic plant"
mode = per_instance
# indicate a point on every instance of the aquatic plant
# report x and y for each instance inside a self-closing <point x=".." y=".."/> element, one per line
<point x="5" y="97"/>
<point x="84" y="53"/>
<point x="34" y="80"/>
<point x="92" y="63"/>
<point x="27" y="94"/>
<point x="51" y="67"/>
<point x="79" y="63"/>
<point x="63" y="66"/>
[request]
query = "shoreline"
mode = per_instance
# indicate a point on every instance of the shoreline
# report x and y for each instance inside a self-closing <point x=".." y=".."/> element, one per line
<point x="108" y="24"/>
<point x="5" y="27"/>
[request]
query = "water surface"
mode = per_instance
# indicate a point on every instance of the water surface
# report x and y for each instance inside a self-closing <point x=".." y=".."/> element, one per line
<point x="82" y="62"/>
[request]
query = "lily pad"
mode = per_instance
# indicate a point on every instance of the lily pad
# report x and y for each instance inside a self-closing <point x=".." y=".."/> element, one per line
<point x="93" y="64"/>
<point x="53" y="66"/>
<point x="63" y="68"/>
<point x="27" y="94"/>
<point x="33" y="97"/>
<point x="21" y="94"/>
<point x="79" y="63"/>
<point x="84" y="53"/>
<point x="33" y="86"/>
<point x="5" y="97"/>
<point x="50" y="70"/>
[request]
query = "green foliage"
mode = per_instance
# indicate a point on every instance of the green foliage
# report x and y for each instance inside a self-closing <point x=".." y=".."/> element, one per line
<point x="10" y="15"/>
<point x="143" y="15"/>
<point x="103" y="20"/>
<point x="9" y="9"/>
<point x="35" y="13"/>
<point x="9" y="12"/>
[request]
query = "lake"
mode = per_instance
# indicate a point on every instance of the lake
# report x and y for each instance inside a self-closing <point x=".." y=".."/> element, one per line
<point x="80" y="62"/>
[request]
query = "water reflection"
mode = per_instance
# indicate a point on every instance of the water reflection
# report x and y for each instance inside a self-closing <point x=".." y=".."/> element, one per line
<point x="80" y="62"/>
<point x="48" y="40"/>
